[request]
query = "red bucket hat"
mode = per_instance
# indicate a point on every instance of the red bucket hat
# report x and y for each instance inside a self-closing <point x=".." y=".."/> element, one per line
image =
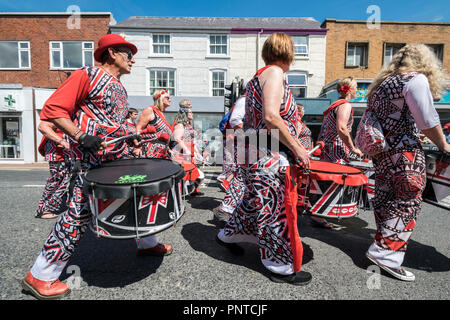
<point x="109" y="41"/>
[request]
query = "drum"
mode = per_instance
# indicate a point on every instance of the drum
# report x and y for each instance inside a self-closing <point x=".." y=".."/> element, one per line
<point x="437" y="189"/>
<point x="134" y="198"/>
<point x="333" y="190"/>
<point x="368" y="191"/>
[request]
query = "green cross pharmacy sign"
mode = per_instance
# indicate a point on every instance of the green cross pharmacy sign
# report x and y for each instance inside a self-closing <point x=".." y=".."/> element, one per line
<point x="9" y="102"/>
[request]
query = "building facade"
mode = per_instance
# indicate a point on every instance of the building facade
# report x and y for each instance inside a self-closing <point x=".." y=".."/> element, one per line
<point x="39" y="50"/>
<point x="356" y="49"/>
<point x="197" y="57"/>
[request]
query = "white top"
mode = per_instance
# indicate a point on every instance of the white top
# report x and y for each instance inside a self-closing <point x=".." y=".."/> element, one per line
<point x="237" y="116"/>
<point x="420" y="102"/>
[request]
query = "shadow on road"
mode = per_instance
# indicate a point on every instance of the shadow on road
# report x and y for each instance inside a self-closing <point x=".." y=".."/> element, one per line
<point x="109" y="263"/>
<point x="354" y="238"/>
<point x="208" y="245"/>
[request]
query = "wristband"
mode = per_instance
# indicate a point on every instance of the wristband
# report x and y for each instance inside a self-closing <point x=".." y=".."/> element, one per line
<point x="82" y="137"/>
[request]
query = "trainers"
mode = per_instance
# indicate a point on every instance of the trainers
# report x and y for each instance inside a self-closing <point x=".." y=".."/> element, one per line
<point x="234" y="248"/>
<point x="400" y="274"/>
<point x="159" y="250"/>
<point x="44" y="290"/>
<point x="221" y="215"/>
<point x="301" y="278"/>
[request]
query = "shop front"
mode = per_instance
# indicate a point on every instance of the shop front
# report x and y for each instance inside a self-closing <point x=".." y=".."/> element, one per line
<point x="17" y="126"/>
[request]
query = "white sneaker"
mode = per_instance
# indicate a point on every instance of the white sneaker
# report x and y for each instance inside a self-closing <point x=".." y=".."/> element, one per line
<point x="401" y="273"/>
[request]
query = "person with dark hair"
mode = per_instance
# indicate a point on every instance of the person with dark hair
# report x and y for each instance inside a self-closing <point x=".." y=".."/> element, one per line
<point x="132" y="116"/>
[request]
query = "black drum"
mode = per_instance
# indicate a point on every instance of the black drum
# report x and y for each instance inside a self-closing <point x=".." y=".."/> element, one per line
<point x="134" y="198"/>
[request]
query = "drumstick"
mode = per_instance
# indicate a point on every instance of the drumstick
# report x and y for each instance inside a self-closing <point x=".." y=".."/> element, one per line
<point x="150" y="130"/>
<point x="318" y="147"/>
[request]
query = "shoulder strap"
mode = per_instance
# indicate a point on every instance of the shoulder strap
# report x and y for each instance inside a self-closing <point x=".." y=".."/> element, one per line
<point x="334" y="105"/>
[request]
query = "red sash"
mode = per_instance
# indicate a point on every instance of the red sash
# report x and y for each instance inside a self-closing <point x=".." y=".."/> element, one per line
<point x="290" y="202"/>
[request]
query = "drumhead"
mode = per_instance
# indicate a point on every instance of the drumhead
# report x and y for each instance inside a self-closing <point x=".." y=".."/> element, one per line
<point x="117" y="179"/>
<point x="340" y="174"/>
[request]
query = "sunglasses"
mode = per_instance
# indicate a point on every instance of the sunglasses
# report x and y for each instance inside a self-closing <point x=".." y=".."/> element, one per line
<point x="128" y="53"/>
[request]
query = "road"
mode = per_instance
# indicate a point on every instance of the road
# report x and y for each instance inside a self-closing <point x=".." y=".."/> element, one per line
<point x="199" y="269"/>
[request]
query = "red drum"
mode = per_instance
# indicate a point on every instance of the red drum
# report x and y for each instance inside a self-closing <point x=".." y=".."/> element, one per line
<point x="333" y="190"/>
<point x="368" y="191"/>
<point x="437" y="190"/>
<point x="134" y="198"/>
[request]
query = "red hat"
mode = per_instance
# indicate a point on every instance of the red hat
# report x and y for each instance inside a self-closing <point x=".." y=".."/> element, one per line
<point x="447" y="126"/>
<point x="112" y="40"/>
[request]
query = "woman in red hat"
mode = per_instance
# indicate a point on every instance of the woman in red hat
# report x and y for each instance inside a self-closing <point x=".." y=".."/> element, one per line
<point x="83" y="109"/>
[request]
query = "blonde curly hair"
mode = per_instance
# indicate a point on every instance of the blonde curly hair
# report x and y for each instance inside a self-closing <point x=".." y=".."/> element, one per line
<point x="415" y="57"/>
<point x="158" y="97"/>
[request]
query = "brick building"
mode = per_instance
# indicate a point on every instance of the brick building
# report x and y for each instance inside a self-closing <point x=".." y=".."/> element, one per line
<point x="43" y="47"/>
<point x="357" y="50"/>
<point x="38" y="51"/>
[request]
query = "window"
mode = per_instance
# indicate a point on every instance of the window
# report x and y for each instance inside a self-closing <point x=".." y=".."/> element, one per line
<point x="300" y="45"/>
<point x="218" y="83"/>
<point x="297" y="83"/>
<point x="390" y="49"/>
<point x="161" y="43"/>
<point x="218" y="44"/>
<point x="438" y="50"/>
<point x="162" y="79"/>
<point x="357" y="54"/>
<point x="71" y="54"/>
<point x="15" y="55"/>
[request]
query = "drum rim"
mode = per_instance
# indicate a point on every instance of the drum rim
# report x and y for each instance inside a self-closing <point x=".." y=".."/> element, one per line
<point x="121" y="185"/>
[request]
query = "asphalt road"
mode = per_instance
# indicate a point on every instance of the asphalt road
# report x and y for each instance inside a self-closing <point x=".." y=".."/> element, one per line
<point x="199" y="269"/>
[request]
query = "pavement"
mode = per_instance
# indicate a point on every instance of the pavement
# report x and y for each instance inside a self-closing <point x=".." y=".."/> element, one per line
<point x="200" y="270"/>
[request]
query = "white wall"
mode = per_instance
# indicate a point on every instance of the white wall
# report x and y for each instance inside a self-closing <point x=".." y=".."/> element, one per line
<point x="193" y="64"/>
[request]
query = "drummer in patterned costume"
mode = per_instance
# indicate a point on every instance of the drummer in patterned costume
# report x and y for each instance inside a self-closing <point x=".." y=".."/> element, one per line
<point x="56" y="150"/>
<point x="402" y="98"/>
<point x="337" y="126"/>
<point x="155" y="145"/>
<point x="90" y="107"/>
<point x="267" y="216"/>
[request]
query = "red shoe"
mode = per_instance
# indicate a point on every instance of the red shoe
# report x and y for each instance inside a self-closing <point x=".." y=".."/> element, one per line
<point x="159" y="250"/>
<point x="44" y="290"/>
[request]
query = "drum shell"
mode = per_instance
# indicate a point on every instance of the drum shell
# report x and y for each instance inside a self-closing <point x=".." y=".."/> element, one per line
<point x="115" y="218"/>
<point x="326" y="198"/>
<point x="158" y="201"/>
<point x="368" y="192"/>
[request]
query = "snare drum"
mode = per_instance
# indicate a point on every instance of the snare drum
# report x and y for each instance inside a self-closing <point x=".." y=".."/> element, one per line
<point x="368" y="191"/>
<point x="134" y="198"/>
<point x="333" y="190"/>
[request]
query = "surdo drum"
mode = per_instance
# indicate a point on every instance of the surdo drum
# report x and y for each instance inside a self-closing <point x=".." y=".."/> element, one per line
<point x="134" y="198"/>
<point x="368" y="190"/>
<point x="332" y="190"/>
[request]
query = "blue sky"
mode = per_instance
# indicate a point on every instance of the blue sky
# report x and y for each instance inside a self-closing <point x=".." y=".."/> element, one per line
<point x="390" y="10"/>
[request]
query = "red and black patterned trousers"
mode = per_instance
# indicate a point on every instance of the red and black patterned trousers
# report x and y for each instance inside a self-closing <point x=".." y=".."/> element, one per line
<point x="400" y="178"/>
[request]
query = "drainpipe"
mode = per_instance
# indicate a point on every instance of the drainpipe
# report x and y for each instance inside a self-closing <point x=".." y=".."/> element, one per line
<point x="34" y="126"/>
<point x="257" y="48"/>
